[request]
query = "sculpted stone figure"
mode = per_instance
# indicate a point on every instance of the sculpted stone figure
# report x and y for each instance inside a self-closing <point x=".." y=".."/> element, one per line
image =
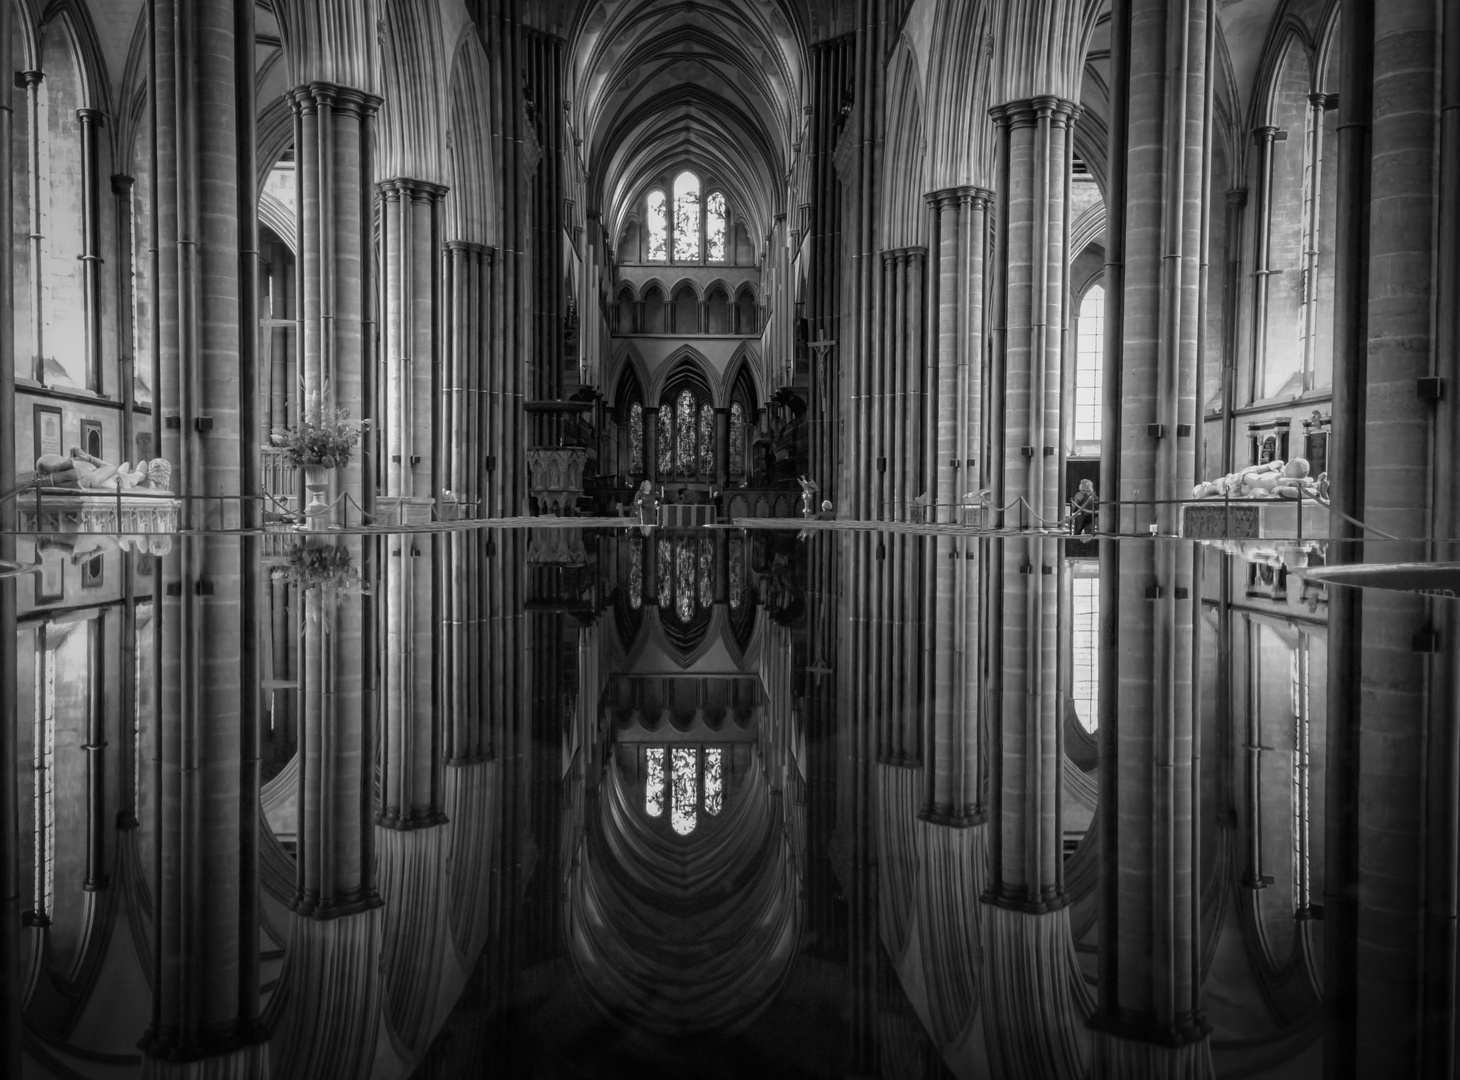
<point x="78" y="469"/>
<point x="1272" y="479"/>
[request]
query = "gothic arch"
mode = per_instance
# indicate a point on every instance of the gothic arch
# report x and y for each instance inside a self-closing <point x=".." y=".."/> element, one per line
<point x="904" y="169"/>
<point x="627" y="364"/>
<point x="411" y="128"/>
<point x="1287" y="34"/>
<point x="687" y="365"/>
<point x="471" y="204"/>
<point x="960" y="75"/>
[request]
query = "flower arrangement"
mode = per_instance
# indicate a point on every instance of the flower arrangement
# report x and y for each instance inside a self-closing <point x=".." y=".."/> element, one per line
<point x="320" y="566"/>
<point x="326" y="437"/>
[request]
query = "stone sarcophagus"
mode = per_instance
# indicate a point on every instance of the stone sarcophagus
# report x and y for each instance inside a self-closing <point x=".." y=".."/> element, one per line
<point x="555" y="477"/>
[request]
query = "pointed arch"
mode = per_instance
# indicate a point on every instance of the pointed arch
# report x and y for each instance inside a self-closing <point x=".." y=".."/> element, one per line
<point x="959" y="79"/>
<point x="903" y="174"/>
<point x="471" y="204"/>
<point x="627" y="363"/>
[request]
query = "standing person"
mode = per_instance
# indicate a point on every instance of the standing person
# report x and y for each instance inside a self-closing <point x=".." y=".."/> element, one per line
<point x="646" y="503"/>
<point x="1083" y="508"/>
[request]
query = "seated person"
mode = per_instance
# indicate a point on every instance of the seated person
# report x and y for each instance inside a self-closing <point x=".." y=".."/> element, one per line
<point x="828" y="511"/>
<point x="1082" y="509"/>
<point x="83" y="471"/>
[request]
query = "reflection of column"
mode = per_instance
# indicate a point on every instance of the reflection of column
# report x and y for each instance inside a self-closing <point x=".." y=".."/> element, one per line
<point x="11" y="965"/>
<point x="336" y="760"/>
<point x="96" y="823"/>
<point x="1148" y="1015"/>
<point x="410" y="751"/>
<point x="1263" y="137"/>
<point x="952" y="748"/>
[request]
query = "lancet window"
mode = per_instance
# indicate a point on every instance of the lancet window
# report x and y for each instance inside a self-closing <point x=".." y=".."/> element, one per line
<point x="681" y="225"/>
<point x="687" y="436"/>
<point x="686" y="217"/>
<point x="688" y="779"/>
<point x="1089" y="359"/>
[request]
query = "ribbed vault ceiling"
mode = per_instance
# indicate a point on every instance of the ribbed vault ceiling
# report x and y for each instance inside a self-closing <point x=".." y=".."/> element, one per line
<point x="660" y="85"/>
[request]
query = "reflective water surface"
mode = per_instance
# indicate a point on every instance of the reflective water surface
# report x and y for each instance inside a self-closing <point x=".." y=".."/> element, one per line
<point x="557" y="802"/>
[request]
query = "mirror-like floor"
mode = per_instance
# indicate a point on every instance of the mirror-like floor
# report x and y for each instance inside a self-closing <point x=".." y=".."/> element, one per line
<point x="557" y="802"/>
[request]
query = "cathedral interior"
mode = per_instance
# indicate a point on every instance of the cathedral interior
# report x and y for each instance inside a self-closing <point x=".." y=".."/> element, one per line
<point x="781" y="538"/>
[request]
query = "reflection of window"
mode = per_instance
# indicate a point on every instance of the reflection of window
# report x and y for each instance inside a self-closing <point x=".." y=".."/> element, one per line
<point x="654" y="781"/>
<point x="715" y="227"/>
<point x="658" y="227"/>
<point x="666" y="441"/>
<point x="686" y="577"/>
<point x="1085" y="648"/>
<point x="636" y="575"/>
<point x="737" y="573"/>
<point x="666" y="575"/>
<point x="43" y="767"/>
<point x="714" y="781"/>
<point x="683" y="815"/>
<point x="686" y="217"/>
<point x="636" y="438"/>
<point x="1089" y="358"/>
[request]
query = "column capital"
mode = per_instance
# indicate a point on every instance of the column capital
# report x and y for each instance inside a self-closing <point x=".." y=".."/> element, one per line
<point x="122" y="183"/>
<point x="410" y="820"/>
<point x="409" y="187"/>
<point x="944" y="198"/>
<point x="1030" y="110"/>
<point x="309" y="97"/>
<point x="1022" y="898"/>
<point x="1237" y="197"/>
<point x="1263" y="134"/>
<point x="91" y="116"/>
<point x="29" y="80"/>
<point x="469" y="247"/>
<point x="1323" y="101"/>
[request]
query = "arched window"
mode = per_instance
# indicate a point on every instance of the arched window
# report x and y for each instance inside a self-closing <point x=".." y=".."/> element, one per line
<point x="686" y="217"/>
<point x="658" y="228"/>
<point x="737" y="439"/>
<point x="1089" y="360"/>
<point x="687" y="435"/>
<point x="715" y="227"/>
<point x="693" y="779"/>
<point x="714" y="782"/>
<point x="636" y="438"/>
<point x="745" y="317"/>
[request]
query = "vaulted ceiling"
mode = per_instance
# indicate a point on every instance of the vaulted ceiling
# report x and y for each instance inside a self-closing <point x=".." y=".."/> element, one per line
<point x="660" y="85"/>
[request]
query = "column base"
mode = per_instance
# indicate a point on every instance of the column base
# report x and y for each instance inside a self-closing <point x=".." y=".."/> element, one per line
<point x="1117" y="1057"/>
<point x="244" y="1056"/>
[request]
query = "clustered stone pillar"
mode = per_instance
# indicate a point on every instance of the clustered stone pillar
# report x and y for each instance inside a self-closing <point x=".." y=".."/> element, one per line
<point x="410" y="242"/>
<point x="333" y="146"/>
<point x="1149" y="1015"/>
<point x="896" y="392"/>
<point x="205" y="890"/>
<point x="474" y="386"/>
<point x="953" y="744"/>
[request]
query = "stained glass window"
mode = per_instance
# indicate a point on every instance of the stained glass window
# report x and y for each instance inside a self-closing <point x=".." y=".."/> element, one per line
<point x="636" y="575"/>
<point x="658" y="227"/>
<point x="737" y="439"/>
<point x="666" y="441"/>
<point x="636" y="438"/>
<point x="654" y="781"/>
<point x="685" y="421"/>
<point x="686" y="217"/>
<point x="707" y="440"/>
<point x="683" y="815"/>
<point x="685" y="586"/>
<point x="715" y="227"/>
<point x="666" y="576"/>
<point x="714" y="782"/>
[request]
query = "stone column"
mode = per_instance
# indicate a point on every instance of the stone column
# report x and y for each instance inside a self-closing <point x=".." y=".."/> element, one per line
<point x="651" y="443"/>
<point x="722" y="448"/>
<point x="334" y="141"/>
<point x="205" y="1012"/>
<point x="1148" y="1017"/>
<point x="90" y="122"/>
<point x="12" y="963"/>
<point x="410" y="242"/>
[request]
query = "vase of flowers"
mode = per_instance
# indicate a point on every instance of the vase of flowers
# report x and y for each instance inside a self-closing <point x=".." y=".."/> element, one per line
<point x="323" y="441"/>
